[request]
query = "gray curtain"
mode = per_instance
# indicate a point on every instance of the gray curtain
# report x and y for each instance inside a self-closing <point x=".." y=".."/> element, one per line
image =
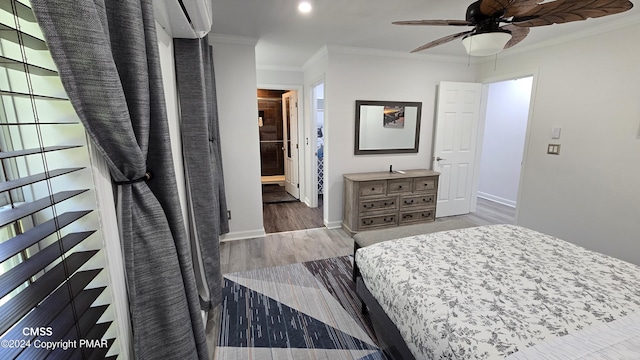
<point x="203" y="162"/>
<point x="107" y="55"/>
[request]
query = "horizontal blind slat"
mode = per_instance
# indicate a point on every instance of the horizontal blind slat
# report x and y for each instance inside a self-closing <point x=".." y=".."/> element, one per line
<point x="10" y="215"/>
<point x="31" y="95"/>
<point x="32" y="179"/>
<point x="33" y="69"/>
<point x="20" y="305"/>
<point x="11" y="33"/>
<point x="25" y="152"/>
<point x="96" y="354"/>
<point x="24" y="241"/>
<point x="30" y="267"/>
<point x="23" y="11"/>
<point x="63" y="325"/>
<point x="43" y="314"/>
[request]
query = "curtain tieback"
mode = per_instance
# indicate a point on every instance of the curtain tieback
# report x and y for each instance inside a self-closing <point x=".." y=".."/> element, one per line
<point x="147" y="177"/>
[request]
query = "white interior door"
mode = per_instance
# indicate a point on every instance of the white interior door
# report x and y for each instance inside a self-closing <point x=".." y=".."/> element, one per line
<point x="290" y="129"/>
<point x="455" y="138"/>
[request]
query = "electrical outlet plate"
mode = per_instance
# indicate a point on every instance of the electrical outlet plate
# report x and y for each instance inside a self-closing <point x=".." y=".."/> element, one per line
<point x="553" y="149"/>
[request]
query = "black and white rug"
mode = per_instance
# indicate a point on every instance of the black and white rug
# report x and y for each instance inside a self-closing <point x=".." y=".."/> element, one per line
<point x="300" y="311"/>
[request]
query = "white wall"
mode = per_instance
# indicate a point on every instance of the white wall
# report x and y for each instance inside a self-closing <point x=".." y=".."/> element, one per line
<point x="235" y="71"/>
<point x="589" y="194"/>
<point x="367" y="76"/>
<point x="266" y="76"/>
<point x="505" y="127"/>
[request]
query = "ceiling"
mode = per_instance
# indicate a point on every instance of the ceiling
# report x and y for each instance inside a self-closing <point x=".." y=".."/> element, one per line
<point x="287" y="38"/>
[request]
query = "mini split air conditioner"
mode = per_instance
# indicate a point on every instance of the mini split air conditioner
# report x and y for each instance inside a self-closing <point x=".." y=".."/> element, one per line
<point x="184" y="18"/>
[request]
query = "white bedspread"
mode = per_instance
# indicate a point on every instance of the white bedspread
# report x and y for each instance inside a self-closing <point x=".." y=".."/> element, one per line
<point x="487" y="292"/>
<point x="617" y="340"/>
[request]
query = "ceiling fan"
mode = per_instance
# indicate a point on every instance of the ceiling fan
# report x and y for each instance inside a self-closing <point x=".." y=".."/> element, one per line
<point x="501" y="24"/>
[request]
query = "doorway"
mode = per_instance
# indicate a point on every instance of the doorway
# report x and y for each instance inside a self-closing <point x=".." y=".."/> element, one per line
<point x="280" y="122"/>
<point x="466" y="151"/>
<point x="505" y="129"/>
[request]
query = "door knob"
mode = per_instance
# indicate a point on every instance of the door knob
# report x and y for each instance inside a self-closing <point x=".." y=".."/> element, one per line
<point x="439" y="158"/>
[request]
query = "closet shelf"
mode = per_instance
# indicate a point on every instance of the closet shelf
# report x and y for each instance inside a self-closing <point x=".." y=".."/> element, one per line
<point x="20" y="66"/>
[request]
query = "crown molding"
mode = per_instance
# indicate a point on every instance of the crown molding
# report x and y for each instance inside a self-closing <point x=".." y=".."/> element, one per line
<point x="398" y="54"/>
<point x="233" y="39"/>
<point x="323" y="51"/>
<point x="280" y="68"/>
<point x="593" y="31"/>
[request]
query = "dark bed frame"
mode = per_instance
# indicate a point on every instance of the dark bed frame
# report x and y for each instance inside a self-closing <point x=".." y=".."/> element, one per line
<point x="389" y="338"/>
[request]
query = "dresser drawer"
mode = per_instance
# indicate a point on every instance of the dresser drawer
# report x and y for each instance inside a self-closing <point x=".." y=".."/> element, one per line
<point x="377" y="221"/>
<point x="425" y="184"/>
<point x="407" y="217"/>
<point x="399" y="186"/>
<point x="419" y="200"/>
<point x="373" y="188"/>
<point x="388" y="203"/>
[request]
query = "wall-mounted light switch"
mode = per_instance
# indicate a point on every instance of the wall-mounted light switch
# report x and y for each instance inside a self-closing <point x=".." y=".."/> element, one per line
<point x="555" y="132"/>
<point x="553" y="149"/>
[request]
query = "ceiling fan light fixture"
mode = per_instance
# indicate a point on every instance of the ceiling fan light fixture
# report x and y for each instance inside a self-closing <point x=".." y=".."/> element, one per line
<point x="485" y="44"/>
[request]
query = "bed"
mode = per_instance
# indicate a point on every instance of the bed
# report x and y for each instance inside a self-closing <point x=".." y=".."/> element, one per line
<point x="499" y="291"/>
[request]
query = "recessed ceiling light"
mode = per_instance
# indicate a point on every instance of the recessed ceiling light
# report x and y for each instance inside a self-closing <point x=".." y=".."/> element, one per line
<point x="304" y="7"/>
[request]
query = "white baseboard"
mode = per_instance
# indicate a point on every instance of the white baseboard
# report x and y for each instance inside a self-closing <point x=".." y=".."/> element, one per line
<point x="333" y="224"/>
<point x="242" y="235"/>
<point x="497" y="199"/>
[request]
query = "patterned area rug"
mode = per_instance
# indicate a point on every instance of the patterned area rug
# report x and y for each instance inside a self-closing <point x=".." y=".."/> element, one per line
<point x="300" y="311"/>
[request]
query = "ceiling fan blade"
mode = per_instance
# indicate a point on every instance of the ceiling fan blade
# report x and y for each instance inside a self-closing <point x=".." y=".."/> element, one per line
<point x="564" y="11"/>
<point x="441" y="41"/>
<point x="517" y="34"/>
<point x="518" y="7"/>
<point x="434" y="22"/>
<point x="492" y="7"/>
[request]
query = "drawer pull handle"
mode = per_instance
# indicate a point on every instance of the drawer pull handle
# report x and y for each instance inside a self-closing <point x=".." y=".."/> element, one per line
<point x="408" y="216"/>
<point x="408" y="202"/>
<point x="368" y="206"/>
<point x="373" y="189"/>
<point x="365" y="222"/>
<point x="428" y="214"/>
<point x="400" y="187"/>
<point x="388" y="219"/>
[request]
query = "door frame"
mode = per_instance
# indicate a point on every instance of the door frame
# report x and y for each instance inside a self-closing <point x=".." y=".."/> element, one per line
<point x="310" y="145"/>
<point x="481" y="124"/>
<point x="301" y="126"/>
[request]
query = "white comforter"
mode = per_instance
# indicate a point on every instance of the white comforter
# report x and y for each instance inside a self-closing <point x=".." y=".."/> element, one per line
<point x="487" y="292"/>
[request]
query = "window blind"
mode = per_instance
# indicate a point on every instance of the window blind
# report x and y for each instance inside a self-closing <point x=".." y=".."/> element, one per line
<point x="54" y="292"/>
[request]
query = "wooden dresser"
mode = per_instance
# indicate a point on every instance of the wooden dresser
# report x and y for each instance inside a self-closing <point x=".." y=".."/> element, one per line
<point x="383" y="199"/>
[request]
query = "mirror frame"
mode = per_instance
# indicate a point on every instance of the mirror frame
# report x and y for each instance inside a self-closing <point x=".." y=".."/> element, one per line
<point x="414" y="149"/>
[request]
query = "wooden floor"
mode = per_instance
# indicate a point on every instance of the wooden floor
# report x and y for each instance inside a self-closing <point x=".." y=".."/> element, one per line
<point x="290" y="216"/>
<point x="290" y="247"/>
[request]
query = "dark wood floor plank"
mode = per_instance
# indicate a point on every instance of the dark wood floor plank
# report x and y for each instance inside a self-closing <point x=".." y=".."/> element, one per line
<point x="290" y="217"/>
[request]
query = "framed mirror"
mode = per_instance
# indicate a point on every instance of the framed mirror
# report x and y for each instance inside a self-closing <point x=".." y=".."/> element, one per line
<point x="387" y="127"/>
